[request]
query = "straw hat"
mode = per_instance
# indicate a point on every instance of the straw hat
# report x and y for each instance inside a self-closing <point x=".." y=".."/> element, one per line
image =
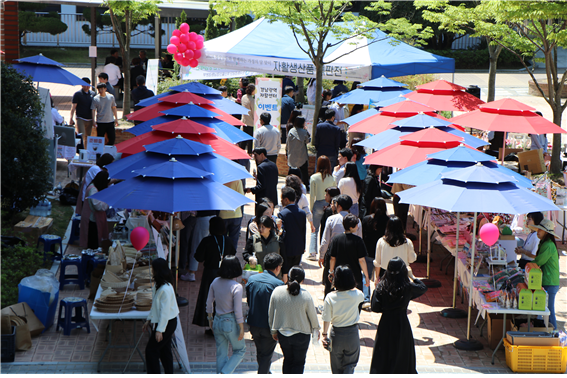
<point x="547" y="226"/>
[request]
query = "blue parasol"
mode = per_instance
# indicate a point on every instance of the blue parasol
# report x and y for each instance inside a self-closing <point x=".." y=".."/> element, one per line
<point x="179" y="146"/>
<point x="49" y="74"/>
<point x="40" y="59"/>
<point x="195" y="87"/>
<point x="189" y="111"/>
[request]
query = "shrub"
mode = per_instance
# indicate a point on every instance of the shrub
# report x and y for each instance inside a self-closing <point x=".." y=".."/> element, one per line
<point x="479" y="58"/>
<point x="17" y="262"/>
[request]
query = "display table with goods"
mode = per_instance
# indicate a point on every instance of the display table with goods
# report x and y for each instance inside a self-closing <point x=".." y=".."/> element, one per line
<point x="125" y="293"/>
<point x="77" y="168"/>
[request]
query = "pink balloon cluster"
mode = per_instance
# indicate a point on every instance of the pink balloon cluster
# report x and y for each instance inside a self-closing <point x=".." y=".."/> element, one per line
<point x="185" y="47"/>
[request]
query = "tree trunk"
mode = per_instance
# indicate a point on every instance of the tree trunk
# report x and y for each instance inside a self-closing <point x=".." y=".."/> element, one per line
<point x="126" y="65"/>
<point x="493" y="53"/>
<point x="556" y="165"/>
<point x="300" y="95"/>
<point x="318" y="99"/>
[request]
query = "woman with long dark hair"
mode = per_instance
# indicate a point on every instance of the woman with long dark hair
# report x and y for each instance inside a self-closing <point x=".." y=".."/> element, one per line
<point x="228" y="323"/>
<point x="211" y="250"/>
<point x="292" y="319"/>
<point x="394" y="349"/>
<point x="341" y="310"/>
<point x="394" y="243"/>
<point x="98" y="227"/>
<point x="359" y="152"/>
<point x="547" y="259"/>
<point x="320" y="181"/>
<point x="163" y="317"/>
<point x="351" y="185"/>
<point x="529" y="249"/>
<point x="264" y="242"/>
<point x="373" y="228"/>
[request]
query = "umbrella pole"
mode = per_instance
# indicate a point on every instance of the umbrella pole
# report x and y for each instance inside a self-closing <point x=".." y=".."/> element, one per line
<point x="170" y="247"/>
<point x="181" y="302"/>
<point x="454" y="312"/>
<point x="504" y="149"/>
<point x="429" y="282"/>
<point x="468" y="343"/>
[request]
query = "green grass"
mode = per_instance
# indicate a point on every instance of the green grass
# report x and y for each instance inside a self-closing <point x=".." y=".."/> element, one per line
<point x="76" y="55"/>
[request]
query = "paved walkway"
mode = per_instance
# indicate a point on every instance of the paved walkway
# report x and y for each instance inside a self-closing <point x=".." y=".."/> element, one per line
<point x="433" y="334"/>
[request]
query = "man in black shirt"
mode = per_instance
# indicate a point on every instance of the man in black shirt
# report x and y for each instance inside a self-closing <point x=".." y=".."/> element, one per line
<point x="82" y="101"/>
<point x="140" y="92"/>
<point x="266" y="178"/>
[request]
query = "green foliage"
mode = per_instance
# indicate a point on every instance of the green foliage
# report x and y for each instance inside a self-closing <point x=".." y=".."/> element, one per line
<point x="25" y="162"/>
<point x="413" y="81"/>
<point x="163" y="85"/>
<point x="479" y="58"/>
<point x="212" y="31"/>
<point x="104" y="24"/>
<point x="181" y="19"/>
<point x="17" y="263"/>
<point x="49" y="23"/>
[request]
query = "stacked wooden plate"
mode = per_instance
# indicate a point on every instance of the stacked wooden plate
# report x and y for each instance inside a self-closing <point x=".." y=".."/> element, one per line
<point x="115" y="303"/>
<point x="143" y="304"/>
<point x="112" y="281"/>
<point x="144" y="295"/>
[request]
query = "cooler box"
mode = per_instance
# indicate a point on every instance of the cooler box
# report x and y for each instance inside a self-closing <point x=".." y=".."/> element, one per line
<point x="525" y="297"/>
<point x="39" y="303"/>
<point x="539" y="300"/>
<point x="533" y="276"/>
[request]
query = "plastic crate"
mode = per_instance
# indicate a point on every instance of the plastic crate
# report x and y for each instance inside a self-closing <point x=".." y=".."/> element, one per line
<point x="9" y="346"/>
<point x="535" y="359"/>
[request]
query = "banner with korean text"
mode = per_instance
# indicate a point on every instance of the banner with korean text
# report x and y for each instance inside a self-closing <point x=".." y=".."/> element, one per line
<point x="268" y="99"/>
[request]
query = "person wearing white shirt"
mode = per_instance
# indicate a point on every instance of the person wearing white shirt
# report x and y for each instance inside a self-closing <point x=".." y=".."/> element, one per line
<point x="394" y="244"/>
<point x="345" y="155"/>
<point x="162" y="320"/>
<point x="113" y="71"/>
<point x="532" y="241"/>
<point x="269" y="137"/>
<point x="351" y="185"/>
<point x="311" y="91"/>
<point x="57" y="118"/>
<point x="339" y="115"/>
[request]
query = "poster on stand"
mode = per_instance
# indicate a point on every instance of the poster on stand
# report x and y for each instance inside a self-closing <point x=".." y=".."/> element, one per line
<point x="151" y="75"/>
<point x="66" y="152"/>
<point x="95" y="145"/>
<point x="268" y="98"/>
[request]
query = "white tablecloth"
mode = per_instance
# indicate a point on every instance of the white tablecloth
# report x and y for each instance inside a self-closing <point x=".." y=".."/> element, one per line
<point x="75" y="166"/>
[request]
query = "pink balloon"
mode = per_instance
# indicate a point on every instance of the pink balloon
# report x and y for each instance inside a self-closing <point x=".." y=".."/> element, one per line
<point x="184" y="38"/>
<point x="185" y="62"/>
<point x="200" y="38"/>
<point x="182" y="47"/>
<point x="174" y="40"/>
<point x="489" y="233"/>
<point x="184" y="28"/>
<point x="139" y="237"/>
<point x="199" y="44"/>
<point x="178" y="56"/>
<point x="171" y="48"/>
<point x="191" y="45"/>
<point x="196" y="54"/>
<point x="176" y="33"/>
<point x="189" y="54"/>
<point x="193" y="36"/>
<point x="193" y="63"/>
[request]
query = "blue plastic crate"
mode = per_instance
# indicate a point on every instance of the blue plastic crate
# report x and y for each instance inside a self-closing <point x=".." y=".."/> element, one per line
<point x="39" y="303"/>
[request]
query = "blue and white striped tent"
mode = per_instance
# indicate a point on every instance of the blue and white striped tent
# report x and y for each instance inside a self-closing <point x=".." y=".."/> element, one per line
<point x="271" y="48"/>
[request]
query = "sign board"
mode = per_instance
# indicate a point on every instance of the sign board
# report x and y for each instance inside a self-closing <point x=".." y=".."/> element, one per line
<point x="66" y="152"/>
<point x="152" y="75"/>
<point x="308" y="112"/>
<point x="268" y="98"/>
<point x="212" y="73"/>
<point x="92" y="52"/>
<point x="95" y="145"/>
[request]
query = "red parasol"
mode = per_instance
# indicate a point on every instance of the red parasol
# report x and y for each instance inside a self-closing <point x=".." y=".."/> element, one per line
<point x="389" y="114"/>
<point x="184" y="126"/>
<point x="224" y="116"/>
<point x="414" y="148"/>
<point x="186" y="97"/>
<point x="443" y="95"/>
<point x="150" y="112"/>
<point x="221" y="146"/>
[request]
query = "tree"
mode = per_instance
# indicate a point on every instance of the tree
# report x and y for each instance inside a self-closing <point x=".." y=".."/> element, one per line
<point x="129" y="12"/>
<point x="48" y="23"/>
<point x="211" y="32"/>
<point x="103" y="24"/>
<point x="525" y="28"/>
<point x="26" y="170"/>
<point x="312" y="21"/>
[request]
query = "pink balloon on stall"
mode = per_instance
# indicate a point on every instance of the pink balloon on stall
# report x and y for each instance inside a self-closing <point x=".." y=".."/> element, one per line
<point x="199" y="45"/>
<point x="184" y="38"/>
<point x="193" y="36"/>
<point x="184" y="28"/>
<point x="193" y="63"/>
<point x="191" y="45"/>
<point x="190" y="54"/>
<point x="139" y="237"/>
<point x="174" y="40"/>
<point x="489" y="233"/>
<point x="176" y="33"/>
<point x="178" y="56"/>
<point x="171" y="48"/>
<point x="182" y="48"/>
<point x="185" y="62"/>
<point x="197" y="54"/>
<point x="200" y="38"/>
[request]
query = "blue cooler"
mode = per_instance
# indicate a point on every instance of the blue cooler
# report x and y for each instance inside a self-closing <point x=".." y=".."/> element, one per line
<point x="39" y="303"/>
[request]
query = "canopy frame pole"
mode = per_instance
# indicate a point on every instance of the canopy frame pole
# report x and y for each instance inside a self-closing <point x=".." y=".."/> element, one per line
<point x="170" y="247"/>
<point x="455" y="276"/>
<point x="428" y="240"/>
<point x="473" y="250"/>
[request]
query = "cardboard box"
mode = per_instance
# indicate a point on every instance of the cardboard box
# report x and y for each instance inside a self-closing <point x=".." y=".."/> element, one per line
<point x="532" y="161"/>
<point x="33" y="227"/>
<point x="495" y="323"/>
<point x="35" y="326"/>
<point x="532" y="339"/>
<point x="532" y="329"/>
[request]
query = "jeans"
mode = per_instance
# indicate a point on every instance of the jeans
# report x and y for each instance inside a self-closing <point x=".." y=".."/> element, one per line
<point x="156" y="352"/>
<point x="273" y="158"/>
<point x="370" y="269"/>
<point x="354" y="209"/>
<point x="345" y="349"/>
<point x="200" y="231"/>
<point x="265" y="345"/>
<point x="226" y="331"/>
<point x="318" y="210"/>
<point x="552" y="292"/>
<point x="294" y="349"/>
<point x="106" y="128"/>
<point x="233" y="229"/>
<point x="185" y="239"/>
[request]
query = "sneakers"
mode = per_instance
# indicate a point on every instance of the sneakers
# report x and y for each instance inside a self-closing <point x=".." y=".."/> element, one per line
<point x="366" y="306"/>
<point x="188" y="277"/>
<point x="312" y="257"/>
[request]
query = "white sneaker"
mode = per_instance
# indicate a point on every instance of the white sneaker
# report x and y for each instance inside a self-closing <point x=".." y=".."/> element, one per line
<point x="366" y="305"/>
<point x="188" y="277"/>
<point x="312" y="257"/>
